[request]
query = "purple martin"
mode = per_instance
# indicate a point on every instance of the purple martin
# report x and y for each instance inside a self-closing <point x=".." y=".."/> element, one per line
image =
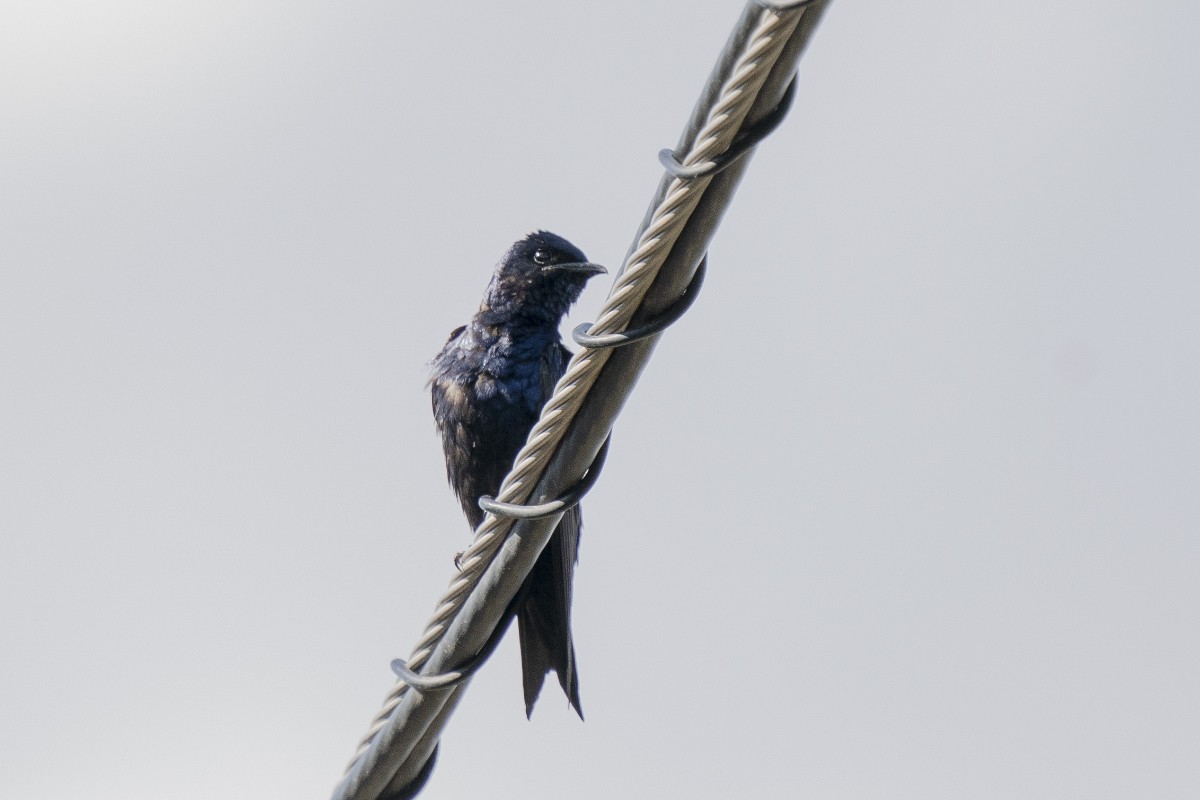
<point x="489" y="383"/>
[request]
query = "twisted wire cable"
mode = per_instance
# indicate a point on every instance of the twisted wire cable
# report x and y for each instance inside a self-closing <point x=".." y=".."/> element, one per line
<point x="641" y="267"/>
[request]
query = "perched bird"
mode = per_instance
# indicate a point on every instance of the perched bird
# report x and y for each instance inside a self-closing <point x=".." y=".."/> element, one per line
<point x="489" y="383"/>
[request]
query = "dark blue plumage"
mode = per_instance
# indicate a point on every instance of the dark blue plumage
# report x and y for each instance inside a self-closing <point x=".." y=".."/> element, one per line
<point x="489" y="383"/>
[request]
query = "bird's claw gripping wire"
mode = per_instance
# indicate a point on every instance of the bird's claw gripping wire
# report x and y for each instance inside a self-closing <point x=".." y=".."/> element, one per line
<point x="652" y="327"/>
<point x="568" y="499"/>
<point x="748" y="138"/>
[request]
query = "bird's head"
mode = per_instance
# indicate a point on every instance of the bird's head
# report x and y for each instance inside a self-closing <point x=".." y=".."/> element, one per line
<point x="539" y="278"/>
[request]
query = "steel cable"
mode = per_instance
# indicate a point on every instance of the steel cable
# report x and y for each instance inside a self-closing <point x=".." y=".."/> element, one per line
<point x="660" y="232"/>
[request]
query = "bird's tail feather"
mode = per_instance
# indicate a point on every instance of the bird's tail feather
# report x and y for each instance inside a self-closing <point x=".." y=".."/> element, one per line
<point x="544" y="626"/>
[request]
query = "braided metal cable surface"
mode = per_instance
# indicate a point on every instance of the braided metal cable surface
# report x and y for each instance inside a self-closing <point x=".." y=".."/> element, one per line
<point x="659" y="234"/>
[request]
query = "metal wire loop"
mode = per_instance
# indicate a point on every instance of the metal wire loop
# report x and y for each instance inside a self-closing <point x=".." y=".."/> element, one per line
<point x="787" y="6"/>
<point x="444" y="680"/>
<point x="569" y="499"/>
<point x="654" y="326"/>
<point x="426" y="683"/>
<point x="747" y="139"/>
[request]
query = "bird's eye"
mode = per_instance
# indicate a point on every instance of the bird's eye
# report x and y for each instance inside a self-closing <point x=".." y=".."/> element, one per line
<point x="541" y="256"/>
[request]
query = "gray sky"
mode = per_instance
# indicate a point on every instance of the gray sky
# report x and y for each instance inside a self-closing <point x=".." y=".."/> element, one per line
<point x="906" y="507"/>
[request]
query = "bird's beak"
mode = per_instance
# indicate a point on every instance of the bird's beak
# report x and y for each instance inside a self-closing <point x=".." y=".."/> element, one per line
<point x="584" y="268"/>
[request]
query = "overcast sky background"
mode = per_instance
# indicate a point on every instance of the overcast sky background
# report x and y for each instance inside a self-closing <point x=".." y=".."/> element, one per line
<point x="908" y="506"/>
